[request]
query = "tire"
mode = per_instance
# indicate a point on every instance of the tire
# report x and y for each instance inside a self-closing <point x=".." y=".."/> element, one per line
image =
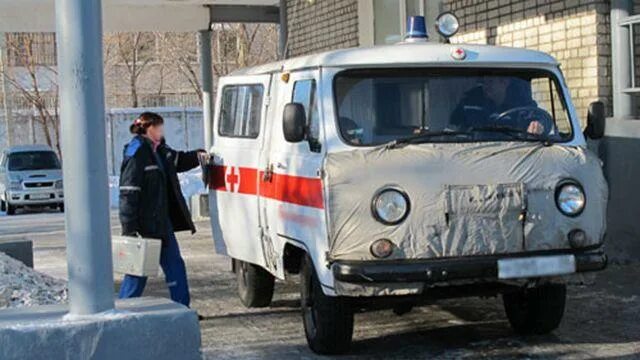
<point x="402" y="309"/>
<point x="61" y="207"/>
<point x="3" y="205"/>
<point x="537" y="310"/>
<point x="11" y="209"/>
<point x="255" y="284"/>
<point x="328" y="321"/>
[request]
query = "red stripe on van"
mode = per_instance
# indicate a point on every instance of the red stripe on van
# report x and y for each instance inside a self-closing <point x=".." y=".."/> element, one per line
<point x="234" y="179"/>
<point x="297" y="190"/>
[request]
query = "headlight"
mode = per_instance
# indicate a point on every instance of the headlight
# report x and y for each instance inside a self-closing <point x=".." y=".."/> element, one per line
<point x="390" y="206"/>
<point x="15" y="185"/>
<point x="59" y="184"/>
<point x="570" y="198"/>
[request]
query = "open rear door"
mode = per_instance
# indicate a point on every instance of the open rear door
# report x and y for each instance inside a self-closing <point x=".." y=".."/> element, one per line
<point x="239" y="127"/>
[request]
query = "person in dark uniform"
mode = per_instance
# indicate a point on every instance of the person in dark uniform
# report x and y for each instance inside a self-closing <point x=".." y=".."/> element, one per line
<point x="495" y="95"/>
<point x="151" y="201"/>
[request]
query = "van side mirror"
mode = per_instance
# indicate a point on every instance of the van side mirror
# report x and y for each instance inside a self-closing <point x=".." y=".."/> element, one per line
<point x="294" y="122"/>
<point x="595" y="121"/>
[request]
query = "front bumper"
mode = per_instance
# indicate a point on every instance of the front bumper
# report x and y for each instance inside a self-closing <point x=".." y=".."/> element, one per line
<point x="35" y="197"/>
<point x="433" y="271"/>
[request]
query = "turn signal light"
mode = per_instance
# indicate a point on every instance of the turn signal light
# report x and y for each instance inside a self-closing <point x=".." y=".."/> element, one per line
<point x="382" y="248"/>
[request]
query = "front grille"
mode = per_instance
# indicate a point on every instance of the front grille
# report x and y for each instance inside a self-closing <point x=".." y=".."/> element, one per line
<point x="38" y="184"/>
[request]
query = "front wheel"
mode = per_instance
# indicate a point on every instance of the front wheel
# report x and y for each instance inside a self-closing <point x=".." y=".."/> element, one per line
<point x="536" y="310"/>
<point x="255" y="284"/>
<point x="328" y="320"/>
<point x="3" y="205"/>
<point x="11" y="209"/>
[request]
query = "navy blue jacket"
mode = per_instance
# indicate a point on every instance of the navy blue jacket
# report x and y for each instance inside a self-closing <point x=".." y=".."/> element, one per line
<point x="150" y="193"/>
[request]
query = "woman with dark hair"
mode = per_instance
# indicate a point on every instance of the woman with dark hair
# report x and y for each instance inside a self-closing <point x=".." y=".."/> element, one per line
<point x="151" y="201"/>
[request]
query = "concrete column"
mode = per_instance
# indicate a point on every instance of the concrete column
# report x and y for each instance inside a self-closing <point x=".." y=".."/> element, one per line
<point x="82" y="112"/>
<point x="283" y="32"/>
<point x="621" y="59"/>
<point x="206" y="73"/>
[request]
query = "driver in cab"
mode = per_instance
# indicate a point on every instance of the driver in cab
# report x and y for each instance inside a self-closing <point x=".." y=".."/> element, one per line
<point x="482" y="105"/>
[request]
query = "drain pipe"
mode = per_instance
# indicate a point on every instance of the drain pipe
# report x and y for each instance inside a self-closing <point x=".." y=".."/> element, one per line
<point x="621" y="73"/>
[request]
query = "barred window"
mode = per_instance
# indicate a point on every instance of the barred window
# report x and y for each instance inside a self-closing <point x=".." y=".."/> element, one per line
<point x="31" y="49"/>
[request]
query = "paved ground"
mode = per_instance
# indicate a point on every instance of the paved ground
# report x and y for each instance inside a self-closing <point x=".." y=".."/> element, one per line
<point x="601" y="321"/>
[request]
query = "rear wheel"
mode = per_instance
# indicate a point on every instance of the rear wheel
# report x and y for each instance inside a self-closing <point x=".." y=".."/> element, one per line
<point x="536" y="310"/>
<point x="328" y="320"/>
<point x="255" y="284"/>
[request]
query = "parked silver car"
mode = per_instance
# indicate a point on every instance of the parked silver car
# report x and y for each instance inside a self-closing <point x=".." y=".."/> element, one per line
<point x="30" y="176"/>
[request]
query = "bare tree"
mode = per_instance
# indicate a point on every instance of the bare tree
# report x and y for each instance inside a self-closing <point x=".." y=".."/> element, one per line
<point x="31" y="57"/>
<point x="179" y="50"/>
<point x="242" y="45"/>
<point x="234" y="46"/>
<point x="133" y="51"/>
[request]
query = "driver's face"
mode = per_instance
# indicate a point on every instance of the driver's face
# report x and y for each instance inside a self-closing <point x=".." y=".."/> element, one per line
<point x="495" y="88"/>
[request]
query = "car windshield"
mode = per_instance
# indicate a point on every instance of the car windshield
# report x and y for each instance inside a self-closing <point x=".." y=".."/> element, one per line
<point x="33" y="160"/>
<point x="377" y="106"/>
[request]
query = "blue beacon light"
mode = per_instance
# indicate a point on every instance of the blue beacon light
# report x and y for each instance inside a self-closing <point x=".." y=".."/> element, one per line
<point x="416" y="29"/>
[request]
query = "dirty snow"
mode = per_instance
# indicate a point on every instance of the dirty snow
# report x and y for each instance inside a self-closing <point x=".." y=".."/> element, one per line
<point x="190" y="182"/>
<point x="20" y="285"/>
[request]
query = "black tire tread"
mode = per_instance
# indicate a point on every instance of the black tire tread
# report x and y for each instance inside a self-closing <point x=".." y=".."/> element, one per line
<point x="537" y="310"/>
<point x="11" y="210"/>
<point x="258" y="291"/>
<point x="334" y="327"/>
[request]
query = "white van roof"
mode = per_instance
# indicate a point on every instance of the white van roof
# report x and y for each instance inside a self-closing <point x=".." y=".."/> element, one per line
<point x="25" y="148"/>
<point x="406" y="54"/>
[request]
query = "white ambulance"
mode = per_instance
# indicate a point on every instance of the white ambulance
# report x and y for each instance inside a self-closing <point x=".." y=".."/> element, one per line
<point x="395" y="175"/>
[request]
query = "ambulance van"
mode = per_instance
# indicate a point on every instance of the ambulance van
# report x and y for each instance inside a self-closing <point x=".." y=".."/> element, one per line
<point x="394" y="175"/>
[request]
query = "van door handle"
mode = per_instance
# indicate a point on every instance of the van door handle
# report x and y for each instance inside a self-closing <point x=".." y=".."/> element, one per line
<point x="281" y="166"/>
<point x="268" y="173"/>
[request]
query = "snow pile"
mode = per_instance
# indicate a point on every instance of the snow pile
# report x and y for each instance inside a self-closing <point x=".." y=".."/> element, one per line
<point x="190" y="182"/>
<point x="20" y="285"/>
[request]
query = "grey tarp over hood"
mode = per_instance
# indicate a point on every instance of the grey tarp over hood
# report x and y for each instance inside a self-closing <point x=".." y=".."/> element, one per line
<point x="466" y="198"/>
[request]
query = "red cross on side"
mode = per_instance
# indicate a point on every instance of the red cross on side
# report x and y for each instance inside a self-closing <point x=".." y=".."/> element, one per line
<point x="232" y="178"/>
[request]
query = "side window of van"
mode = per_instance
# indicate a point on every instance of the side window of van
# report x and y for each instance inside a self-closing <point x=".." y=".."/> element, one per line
<point x="240" y="111"/>
<point x="304" y="92"/>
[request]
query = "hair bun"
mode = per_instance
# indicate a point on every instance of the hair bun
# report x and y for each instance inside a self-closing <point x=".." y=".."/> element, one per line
<point x="142" y="122"/>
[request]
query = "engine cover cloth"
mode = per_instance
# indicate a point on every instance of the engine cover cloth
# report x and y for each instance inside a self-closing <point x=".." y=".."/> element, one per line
<point x="465" y="198"/>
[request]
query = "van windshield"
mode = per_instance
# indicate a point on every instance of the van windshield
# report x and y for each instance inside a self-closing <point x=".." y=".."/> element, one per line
<point x="33" y="160"/>
<point x="377" y="106"/>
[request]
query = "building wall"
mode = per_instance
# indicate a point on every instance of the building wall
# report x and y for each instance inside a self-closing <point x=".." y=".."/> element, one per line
<point x="321" y="25"/>
<point x="575" y="32"/>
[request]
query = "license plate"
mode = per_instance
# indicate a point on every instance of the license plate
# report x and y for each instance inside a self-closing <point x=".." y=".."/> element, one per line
<point x="39" y="196"/>
<point x="536" y="266"/>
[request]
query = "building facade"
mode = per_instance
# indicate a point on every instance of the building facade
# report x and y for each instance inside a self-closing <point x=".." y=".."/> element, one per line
<point x="141" y="69"/>
<point x="575" y="32"/>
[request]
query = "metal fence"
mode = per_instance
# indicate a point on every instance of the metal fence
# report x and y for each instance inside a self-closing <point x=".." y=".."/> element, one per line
<point x="183" y="130"/>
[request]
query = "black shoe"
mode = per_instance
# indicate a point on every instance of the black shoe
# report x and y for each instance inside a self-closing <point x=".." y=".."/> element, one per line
<point x="201" y="318"/>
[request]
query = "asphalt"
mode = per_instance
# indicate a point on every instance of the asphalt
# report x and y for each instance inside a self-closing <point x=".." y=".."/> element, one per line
<point x="601" y="320"/>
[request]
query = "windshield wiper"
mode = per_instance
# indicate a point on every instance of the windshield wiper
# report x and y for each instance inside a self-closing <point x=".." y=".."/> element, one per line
<point x="422" y="137"/>
<point x="514" y="132"/>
